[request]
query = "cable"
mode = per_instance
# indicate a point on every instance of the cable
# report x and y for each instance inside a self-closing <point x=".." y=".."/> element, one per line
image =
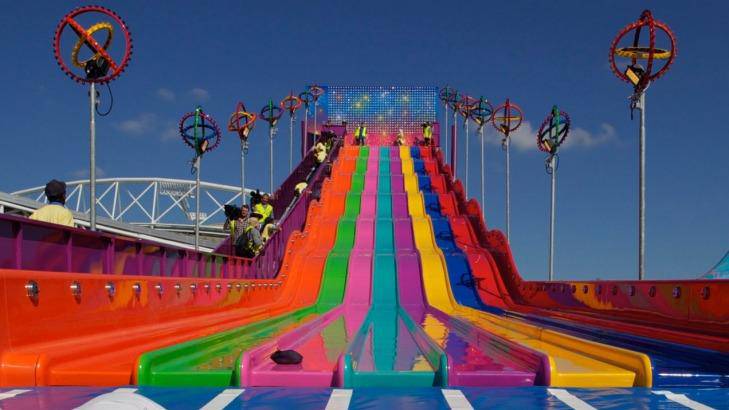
<point x="111" y="102"/>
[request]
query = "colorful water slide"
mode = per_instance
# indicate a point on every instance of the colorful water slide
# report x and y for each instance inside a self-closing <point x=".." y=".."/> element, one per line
<point x="212" y="360"/>
<point x="475" y="357"/>
<point x="688" y="312"/>
<point x="390" y="349"/>
<point x="50" y="345"/>
<point x="322" y="341"/>
<point x="673" y="365"/>
<point x="573" y="361"/>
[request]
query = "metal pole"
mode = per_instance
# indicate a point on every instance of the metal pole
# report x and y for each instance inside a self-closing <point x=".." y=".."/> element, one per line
<point x="243" y="149"/>
<point x="641" y="187"/>
<point x="553" y="213"/>
<point x="465" y="179"/>
<point x="445" y="110"/>
<point x="483" y="173"/>
<point x="454" y="145"/>
<point x="291" y="143"/>
<point x="92" y="160"/>
<point x="508" y="189"/>
<point x="316" y="103"/>
<point x="305" y="143"/>
<point x="198" y="162"/>
<point x="270" y="138"/>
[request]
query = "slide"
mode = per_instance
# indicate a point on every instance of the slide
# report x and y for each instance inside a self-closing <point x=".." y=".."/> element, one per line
<point x="322" y="341"/>
<point x="480" y="287"/>
<point x="475" y="357"/>
<point x="211" y="361"/>
<point x="573" y="361"/>
<point x="390" y="349"/>
<point x="105" y="352"/>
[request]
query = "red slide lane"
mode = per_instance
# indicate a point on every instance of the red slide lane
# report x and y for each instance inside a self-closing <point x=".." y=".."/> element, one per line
<point x="500" y="285"/>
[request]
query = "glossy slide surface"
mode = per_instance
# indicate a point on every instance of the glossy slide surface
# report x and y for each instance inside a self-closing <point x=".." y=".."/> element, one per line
<point x="573" y="362"/>
<point x="322" y="341"/>
<point x="211" y="361"/>
<point x="672" y="365"/>
<point x="389" y="348"/>
<point x="475" y="357"/>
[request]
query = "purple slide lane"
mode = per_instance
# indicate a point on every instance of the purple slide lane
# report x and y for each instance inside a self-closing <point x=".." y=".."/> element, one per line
<point x="475" y="357"/>
<point x="323" y="340"/>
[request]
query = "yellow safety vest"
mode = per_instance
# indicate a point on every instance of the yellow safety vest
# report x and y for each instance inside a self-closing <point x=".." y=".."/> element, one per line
<point x="428" y="132"/>
<point x="264" y="210"/>
<point x="249" y="243"/>
<point x="360" y="132"/>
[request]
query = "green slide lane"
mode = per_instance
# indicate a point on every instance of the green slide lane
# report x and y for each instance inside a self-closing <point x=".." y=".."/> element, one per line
<point x="213" y="360"/>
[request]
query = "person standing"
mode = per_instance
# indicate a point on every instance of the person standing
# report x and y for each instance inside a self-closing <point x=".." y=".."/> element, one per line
<point x="360" y="134"/>
<point x="55" y="212"/>
<point x="237" y="226"/>
<point x="428" y="134"/>
<point x="400" y="138"/>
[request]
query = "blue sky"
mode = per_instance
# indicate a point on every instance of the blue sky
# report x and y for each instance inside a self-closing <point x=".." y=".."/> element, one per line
<point x="537" y="53"/>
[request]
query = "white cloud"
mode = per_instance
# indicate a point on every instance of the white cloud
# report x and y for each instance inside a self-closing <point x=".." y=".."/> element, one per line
<point x="143" y="123"/>
<point x="200" y="94"/>
<point x="170" y="131"/>
<point x="149" y="124"/>
<point x="579" y="137"/>
<point x="525" y="137"/>
<point x="165" y="94"/>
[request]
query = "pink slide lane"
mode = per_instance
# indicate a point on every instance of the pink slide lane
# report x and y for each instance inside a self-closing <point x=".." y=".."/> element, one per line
<point x="322" y="341"/>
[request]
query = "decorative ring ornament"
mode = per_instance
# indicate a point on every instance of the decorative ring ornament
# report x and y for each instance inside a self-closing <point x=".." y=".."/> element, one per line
<point x="553" y="131"/>
<point x="507" y="117"/>
<point x="316" y="91"/>
<point x="242" y="121"/>
<point x="199" y="131"/>
<point x="291" y="103"/>
<point x="105" y="69"/>
<point x="271" y="113"/>
<point x="481" y="112"/>
<point x="634" y="73"/>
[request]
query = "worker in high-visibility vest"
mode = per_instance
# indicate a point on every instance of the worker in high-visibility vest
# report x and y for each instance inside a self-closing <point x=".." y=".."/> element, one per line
<point x="428" y="133"/>
<point x="320" y="152"/>
<point x="264" y="208"/>
<point x="360" y="134"/>
<point x="250" y="243"/>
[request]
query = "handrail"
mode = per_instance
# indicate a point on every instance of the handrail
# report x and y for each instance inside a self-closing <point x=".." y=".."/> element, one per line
<point x="35" y="245"/>
<point x="266" y="263"/>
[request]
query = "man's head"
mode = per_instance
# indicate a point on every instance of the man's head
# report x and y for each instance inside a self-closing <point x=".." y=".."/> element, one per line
<point x="56" y="191"/>
<point x="255" y="220"/>
<point x="265" y="199"/>
<point x="244" y="211"/>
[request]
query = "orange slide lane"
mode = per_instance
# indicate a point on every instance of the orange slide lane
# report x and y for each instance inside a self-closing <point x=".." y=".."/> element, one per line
<point x="96" y="336"/>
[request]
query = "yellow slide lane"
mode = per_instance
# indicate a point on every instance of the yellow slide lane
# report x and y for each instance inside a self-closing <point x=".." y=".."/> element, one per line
<point x="574" y="362"/>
